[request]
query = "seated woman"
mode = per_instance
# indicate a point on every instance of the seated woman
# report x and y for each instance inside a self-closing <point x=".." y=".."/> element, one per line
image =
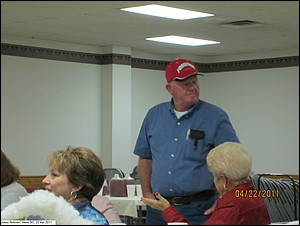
<point x="11" y="190"/>
<point x="43" y="205"/>
<point x="230" y="164"/>
<point x="105" y="206"/>
<point x="77" y="175"/>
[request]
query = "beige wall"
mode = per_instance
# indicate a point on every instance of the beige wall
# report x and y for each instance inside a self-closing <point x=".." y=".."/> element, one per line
<point x="47" y="105"/>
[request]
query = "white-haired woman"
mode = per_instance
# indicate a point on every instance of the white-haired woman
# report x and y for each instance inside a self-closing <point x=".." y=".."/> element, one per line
<point x="239" y="202"/>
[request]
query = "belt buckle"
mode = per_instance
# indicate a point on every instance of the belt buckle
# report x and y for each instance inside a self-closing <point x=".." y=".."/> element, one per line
<point x="174" y="201"/>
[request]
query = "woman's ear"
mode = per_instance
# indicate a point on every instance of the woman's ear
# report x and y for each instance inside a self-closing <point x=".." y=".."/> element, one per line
<point x="224" y="179"/>
<point x="77" y="188"/>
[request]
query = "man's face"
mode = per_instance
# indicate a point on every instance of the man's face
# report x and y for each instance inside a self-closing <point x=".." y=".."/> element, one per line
<point x="186" y="91"/>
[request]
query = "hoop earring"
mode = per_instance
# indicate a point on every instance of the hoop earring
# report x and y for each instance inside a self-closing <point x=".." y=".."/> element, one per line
<point x="73" y="195"/>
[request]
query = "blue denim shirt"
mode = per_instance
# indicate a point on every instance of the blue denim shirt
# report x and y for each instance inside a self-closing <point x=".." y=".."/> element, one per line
<point x="178" y="168"/>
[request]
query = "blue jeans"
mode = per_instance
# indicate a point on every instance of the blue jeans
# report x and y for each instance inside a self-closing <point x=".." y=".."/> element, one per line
<point x="194" y="212"/>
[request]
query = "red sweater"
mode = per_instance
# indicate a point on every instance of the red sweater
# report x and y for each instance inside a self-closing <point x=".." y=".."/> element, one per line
<point x="231" y="209"/>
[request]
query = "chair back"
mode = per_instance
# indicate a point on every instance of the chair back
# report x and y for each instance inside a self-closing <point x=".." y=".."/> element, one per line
<point x="280" y="195"/>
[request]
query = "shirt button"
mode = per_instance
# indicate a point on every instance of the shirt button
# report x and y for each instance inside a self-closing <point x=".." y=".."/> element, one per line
<point x="169" y="172"/>
<point x="170" y="189"/>
<point x="175" y="139"/>
<point x="178" y="123"/>
<point x="172" y="155"/>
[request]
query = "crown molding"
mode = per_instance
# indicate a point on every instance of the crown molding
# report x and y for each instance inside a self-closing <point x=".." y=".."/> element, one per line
<point x="278" y="62"/>
<point x="112" y="58"/>
<point x="63" y="55"/>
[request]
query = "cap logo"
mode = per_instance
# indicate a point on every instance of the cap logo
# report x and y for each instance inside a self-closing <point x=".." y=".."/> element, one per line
<point x="181" y="66"/>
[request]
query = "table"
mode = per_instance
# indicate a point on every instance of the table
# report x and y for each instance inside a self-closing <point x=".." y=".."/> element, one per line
<point x="130" y="207"/>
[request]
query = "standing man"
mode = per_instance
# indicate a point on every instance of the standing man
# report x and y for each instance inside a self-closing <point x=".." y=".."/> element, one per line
<point x="173" y="143"/>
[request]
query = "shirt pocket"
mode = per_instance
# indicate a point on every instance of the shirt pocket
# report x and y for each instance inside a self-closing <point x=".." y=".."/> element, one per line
<point x="197" y="151"/>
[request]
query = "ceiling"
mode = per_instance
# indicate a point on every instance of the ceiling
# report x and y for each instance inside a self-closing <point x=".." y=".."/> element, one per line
<point x="102" y="23"/>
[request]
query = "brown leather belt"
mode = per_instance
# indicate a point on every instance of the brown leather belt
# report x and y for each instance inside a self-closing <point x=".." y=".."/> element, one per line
<point x="182" y="200"/>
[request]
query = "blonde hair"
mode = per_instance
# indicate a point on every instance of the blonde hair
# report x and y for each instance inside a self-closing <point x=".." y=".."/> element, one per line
<point x="232" y="160"/>
<point x="82" y="167"/>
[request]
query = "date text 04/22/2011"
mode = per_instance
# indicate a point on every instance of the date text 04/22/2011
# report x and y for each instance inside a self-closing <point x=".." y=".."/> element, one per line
<point x="252" y="193"/>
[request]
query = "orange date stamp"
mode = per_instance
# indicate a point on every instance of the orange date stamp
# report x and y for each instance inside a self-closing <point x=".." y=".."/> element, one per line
<point x="252" y="193"/>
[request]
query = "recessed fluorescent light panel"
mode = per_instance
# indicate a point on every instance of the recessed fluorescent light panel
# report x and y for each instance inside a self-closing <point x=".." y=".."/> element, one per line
<point x="167" y="12"/>
<point x="173" y="39"/>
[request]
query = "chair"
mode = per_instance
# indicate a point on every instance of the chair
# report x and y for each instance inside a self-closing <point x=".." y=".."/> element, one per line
<point x="281" y="196"/>
<point x="110" y="173"/>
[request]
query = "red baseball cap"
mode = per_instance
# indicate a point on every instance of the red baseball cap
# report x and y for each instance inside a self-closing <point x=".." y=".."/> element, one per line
<point x="180" y="69"/>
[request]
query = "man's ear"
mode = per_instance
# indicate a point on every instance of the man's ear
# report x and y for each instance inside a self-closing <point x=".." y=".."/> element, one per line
<point x="169" y="88"/>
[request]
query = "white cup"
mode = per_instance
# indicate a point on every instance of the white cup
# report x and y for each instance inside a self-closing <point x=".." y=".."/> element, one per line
<point x="130" y="190"/>
<point x="139" y="192"/>
<point x="177" y="223"/>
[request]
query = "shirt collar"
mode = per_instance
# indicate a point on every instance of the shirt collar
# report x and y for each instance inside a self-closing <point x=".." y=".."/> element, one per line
<point x="190" y="111"/>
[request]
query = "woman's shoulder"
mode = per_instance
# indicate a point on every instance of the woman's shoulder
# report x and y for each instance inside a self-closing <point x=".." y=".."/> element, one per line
<point x="14" y="187"/>
<point x="103" y="204"/>
<point x="100" y="201"/>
